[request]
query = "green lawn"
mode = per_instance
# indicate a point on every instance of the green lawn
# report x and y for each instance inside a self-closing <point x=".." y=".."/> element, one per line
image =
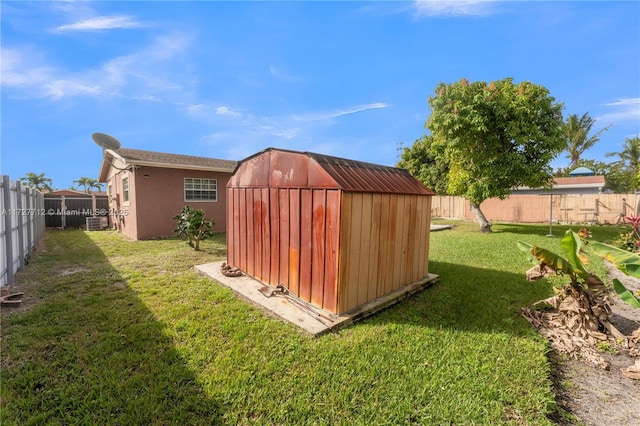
<point x="128" y="333"/>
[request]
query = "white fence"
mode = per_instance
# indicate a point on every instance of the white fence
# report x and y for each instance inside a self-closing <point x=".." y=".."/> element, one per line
<point x="21" y="226"/>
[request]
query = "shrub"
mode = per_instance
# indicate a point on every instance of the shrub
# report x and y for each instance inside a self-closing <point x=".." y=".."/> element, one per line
<point x="193" y="224"/>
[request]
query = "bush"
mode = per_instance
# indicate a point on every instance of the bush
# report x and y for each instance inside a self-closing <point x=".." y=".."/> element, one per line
<point x="193" y="224"/>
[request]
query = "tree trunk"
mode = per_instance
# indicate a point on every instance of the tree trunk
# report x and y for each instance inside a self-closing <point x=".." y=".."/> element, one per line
<point x="485" y="225"/>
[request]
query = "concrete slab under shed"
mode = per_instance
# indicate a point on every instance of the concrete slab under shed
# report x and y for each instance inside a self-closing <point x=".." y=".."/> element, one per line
<point x="310" y="318"/>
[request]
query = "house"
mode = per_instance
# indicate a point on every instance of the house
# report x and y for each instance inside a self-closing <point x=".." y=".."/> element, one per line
<point x="147" y="188"/>
<point x="337" y="233"/>
<point x="576" y="184"/>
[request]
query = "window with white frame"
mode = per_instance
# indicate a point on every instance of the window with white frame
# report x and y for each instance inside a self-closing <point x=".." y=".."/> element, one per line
<point x="197" y="189"/>
<point x="125" y="190"/>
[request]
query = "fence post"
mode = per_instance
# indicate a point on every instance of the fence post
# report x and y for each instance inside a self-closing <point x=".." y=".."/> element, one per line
<point x="19" y="217"/>
<point x="30" y="220"/>
<point x="8" y="231"/>
<point x="63" y="207"/>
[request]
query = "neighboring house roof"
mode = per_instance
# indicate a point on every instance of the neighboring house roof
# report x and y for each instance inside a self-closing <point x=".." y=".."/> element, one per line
<point x="576" y="182"/>
<point x="348" y="175"/>
<point x="73" y="193"/>
<point x="580" y="182"/>
<point x="137" y="157"/>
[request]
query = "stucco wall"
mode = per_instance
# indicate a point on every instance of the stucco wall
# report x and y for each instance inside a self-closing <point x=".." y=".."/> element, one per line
<point x="157" y="194"/>
<point x="125" y="221"/>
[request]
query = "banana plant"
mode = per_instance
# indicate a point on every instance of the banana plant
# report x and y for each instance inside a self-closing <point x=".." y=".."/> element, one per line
<point x="572" y="265"/>
<point x="576" y="318"/>
<point x="627" y="262"/>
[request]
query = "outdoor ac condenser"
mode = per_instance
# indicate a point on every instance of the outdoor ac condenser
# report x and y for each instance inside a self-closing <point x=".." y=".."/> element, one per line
<point x="94" y="223"/>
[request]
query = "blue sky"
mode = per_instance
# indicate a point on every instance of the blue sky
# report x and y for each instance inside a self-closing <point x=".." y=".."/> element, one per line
<point x="350" y="79"/>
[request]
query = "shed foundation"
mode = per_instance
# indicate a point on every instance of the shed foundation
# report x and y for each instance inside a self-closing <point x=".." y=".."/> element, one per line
<point x="310" y="318"/>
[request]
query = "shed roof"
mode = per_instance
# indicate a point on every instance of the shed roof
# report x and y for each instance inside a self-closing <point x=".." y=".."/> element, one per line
<point x="324" y="171"/>
<point x="139" y="157"/>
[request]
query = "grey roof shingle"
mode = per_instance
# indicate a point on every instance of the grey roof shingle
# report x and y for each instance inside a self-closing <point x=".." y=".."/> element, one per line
<point x="138" y="156"/>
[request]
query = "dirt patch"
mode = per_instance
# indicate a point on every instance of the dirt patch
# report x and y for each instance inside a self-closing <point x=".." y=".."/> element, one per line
<point x="602" y="397"/>
<point x="73" y="270"/>
<point x="27" y="287"/>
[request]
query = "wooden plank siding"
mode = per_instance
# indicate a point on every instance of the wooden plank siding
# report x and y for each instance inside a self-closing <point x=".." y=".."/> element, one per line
<point x="384" y="245"/>
<point x="289" y="237"/>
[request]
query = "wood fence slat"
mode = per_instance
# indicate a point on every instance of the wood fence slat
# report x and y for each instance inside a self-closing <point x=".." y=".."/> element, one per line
<point x="534" y="208"/>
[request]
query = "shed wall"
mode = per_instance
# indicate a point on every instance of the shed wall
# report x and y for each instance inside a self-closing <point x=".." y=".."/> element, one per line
<point x="287" y="236"/>
<point x="384" y="245"/>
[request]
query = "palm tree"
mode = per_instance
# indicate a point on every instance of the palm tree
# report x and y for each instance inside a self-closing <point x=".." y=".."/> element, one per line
<point x="629" y="156"/>
<point x="96" y="185"/>
<point x="576" y="132"/>
<point x="38" y="181"/>
<point x="88" y="184"/>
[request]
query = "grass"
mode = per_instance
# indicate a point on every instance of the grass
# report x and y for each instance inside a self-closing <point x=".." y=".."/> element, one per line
<point x="127" y="332"/>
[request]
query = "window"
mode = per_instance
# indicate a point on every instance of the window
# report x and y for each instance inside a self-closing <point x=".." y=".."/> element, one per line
<point x="125" y="189"/>
<point x="196" y="189"/>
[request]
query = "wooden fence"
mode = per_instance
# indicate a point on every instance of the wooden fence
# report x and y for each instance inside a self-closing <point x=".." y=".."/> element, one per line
<point x="532" y="208"/>
<point x="21" y="226"/>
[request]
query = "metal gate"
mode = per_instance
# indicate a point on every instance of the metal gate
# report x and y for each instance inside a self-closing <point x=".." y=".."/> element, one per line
<point x="72" y="212"/>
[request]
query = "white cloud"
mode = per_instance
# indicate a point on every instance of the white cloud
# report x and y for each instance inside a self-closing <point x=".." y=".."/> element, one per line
<point x="625" y="101"/>
<point x="283" y="75"/>
<point x="60" y="88"/>
<point x="195" y="109"/>
<point x="149" y="98"/>
<point x="320" y="116"/>
<point x="624" y="109"/>
<point x="226" y="111"/>
<point x="215" y="137"/>
<point x="281" y="132"/>
<point x="100" y="23"/>
<point x="21" y="68"/>
<point x="148" y="74"/>
<point x="361" y="108"/>
<point x="453" y="7"/>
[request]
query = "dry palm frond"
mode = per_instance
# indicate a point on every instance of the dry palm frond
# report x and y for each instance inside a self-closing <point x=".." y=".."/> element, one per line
<point x="572" y="327"/>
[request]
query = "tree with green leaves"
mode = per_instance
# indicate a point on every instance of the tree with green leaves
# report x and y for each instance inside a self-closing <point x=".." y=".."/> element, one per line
<point x="630" y="158"/>
<point x="576" y="133"/>
<point x="494" y="137"/>
<point x="423" y="162"/>
<point x="88" y="184"/>
<point x="38" y="181"/>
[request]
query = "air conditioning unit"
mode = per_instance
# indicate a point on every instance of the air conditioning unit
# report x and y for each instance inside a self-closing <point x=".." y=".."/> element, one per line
<point x="94" y="223"/>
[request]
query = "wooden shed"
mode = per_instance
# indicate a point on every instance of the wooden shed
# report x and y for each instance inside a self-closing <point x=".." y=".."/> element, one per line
<point x="337" y="233"/>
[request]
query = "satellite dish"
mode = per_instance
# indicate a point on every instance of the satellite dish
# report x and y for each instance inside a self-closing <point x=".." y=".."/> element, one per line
<point x="105" y="141"/>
